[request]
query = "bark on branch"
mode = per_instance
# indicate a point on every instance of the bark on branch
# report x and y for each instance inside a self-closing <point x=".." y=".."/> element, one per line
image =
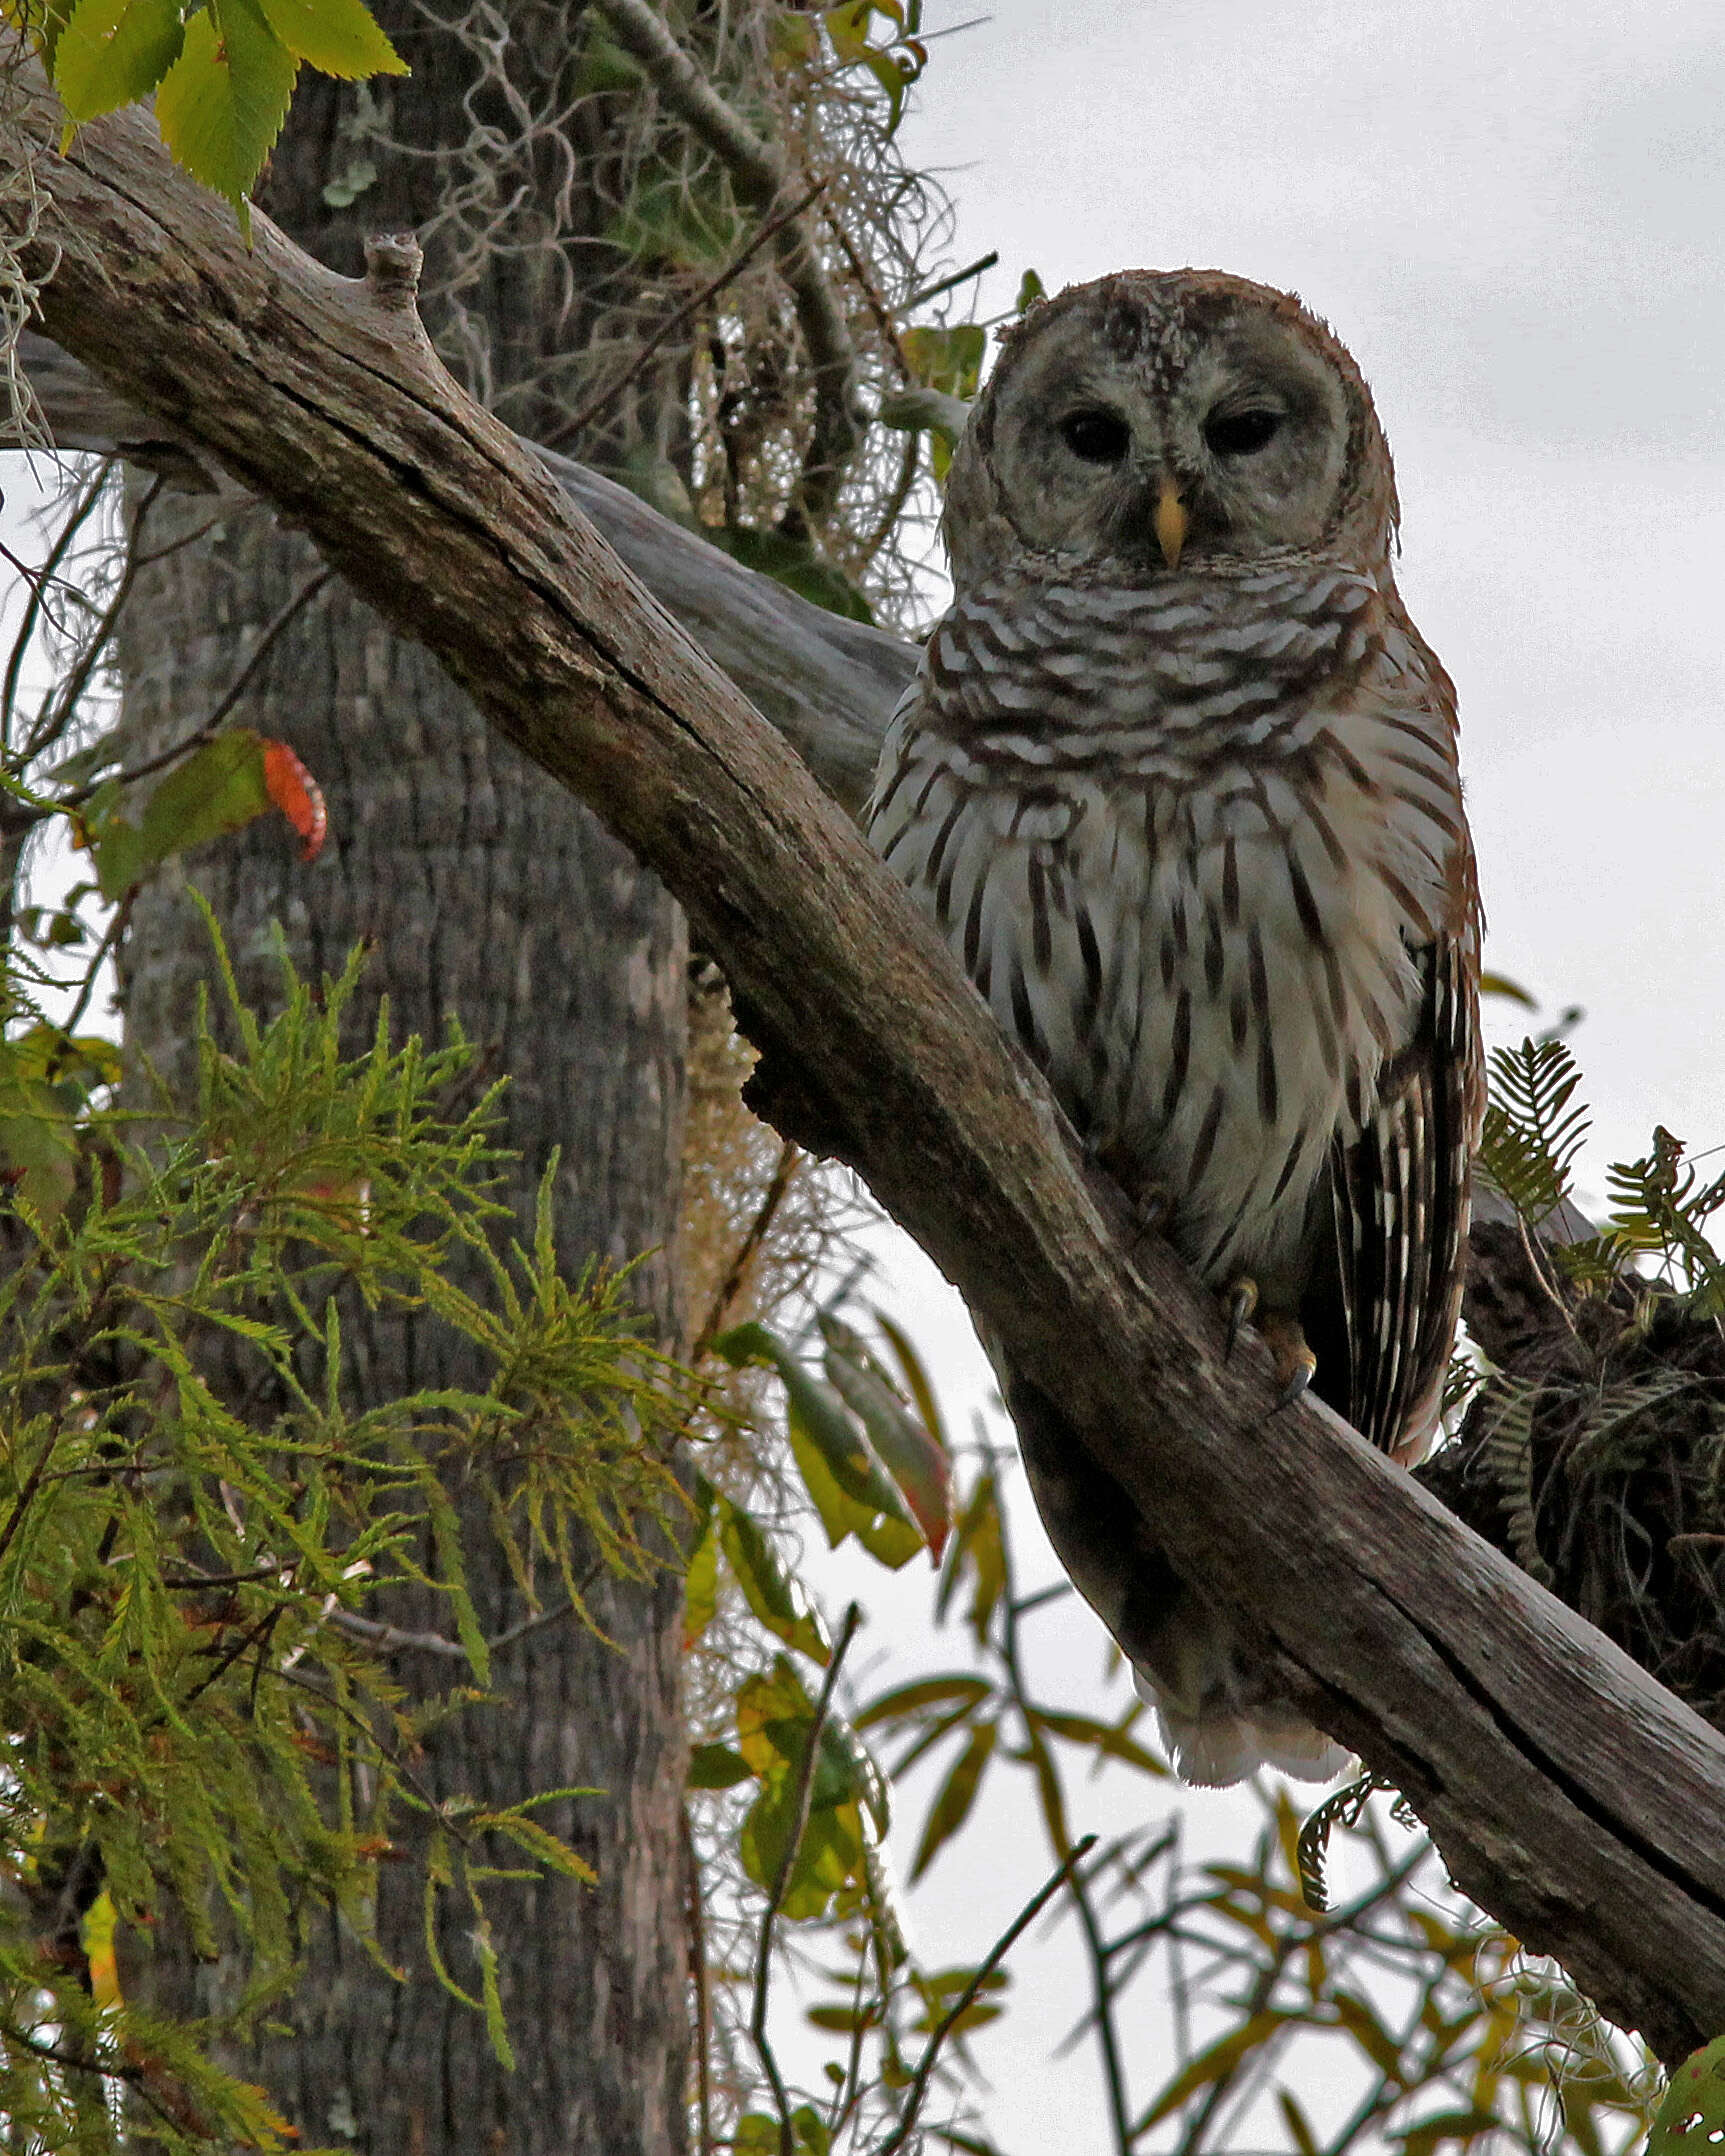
<point x="1570" y="1795"/>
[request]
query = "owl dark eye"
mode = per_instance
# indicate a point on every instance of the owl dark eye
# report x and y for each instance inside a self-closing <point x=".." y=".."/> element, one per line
<point x="1239" y="434"/>
<point x="1097" y="437"/>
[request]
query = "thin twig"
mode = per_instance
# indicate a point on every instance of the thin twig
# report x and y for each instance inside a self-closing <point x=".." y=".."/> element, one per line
<point x="782" y="1881"/>
<point x="997" y="1953"/>
<point x="759" y="178"/>
<point x="610" y="391"/>
<point x="743" y="1257"/>
<point x="1103" y="1985"/>
<point x="703" y="2005"/>
<point x="958" y="277"/>
<point x="295" y="602"/>
<point x="37" y="582"/>
<point x="58" y="708"/>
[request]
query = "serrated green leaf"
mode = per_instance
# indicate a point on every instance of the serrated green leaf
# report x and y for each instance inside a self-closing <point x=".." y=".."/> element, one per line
<point x="222" y="103"/>
<point x="113" y="52"/>
<point x="337" y="37"/>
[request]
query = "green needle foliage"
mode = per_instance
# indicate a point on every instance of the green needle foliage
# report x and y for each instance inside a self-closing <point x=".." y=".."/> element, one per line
<point x="201" y="1537"/>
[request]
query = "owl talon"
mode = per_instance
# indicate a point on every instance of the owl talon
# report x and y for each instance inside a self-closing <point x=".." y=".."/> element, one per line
<point x="1242" y="1300"/>
<point x="1293" y="1361"/>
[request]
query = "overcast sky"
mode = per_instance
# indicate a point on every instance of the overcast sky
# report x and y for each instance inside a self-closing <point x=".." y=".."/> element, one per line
<point x="1515" y="217"/>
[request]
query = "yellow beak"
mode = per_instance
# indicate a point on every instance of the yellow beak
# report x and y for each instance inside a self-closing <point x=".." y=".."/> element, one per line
<point x="1171" y="522"/>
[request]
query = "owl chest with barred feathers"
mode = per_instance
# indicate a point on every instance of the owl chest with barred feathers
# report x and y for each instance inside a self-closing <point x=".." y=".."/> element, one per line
<point x="1188" y="839"/>
<point x="1178" y="783"/>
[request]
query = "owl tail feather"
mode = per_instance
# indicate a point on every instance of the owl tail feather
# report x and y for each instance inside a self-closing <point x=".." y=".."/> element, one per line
<point x="1216" y="1748"/>
<point x="1217" y="1700"/>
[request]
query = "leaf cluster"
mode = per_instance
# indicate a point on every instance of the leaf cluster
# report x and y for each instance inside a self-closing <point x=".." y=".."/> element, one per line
<point x="222" y="72"/>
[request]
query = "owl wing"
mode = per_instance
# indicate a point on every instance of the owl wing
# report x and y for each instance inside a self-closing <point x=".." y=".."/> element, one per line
<point x="1383" y="1308"/>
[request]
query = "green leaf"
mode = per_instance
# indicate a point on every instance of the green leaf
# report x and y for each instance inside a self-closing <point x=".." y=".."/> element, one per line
<point x="219" y="788"/>
<point x="947" y="359"/>
<point x="1298" y="2125"/>
<point x="909" y="1699"/>
<point x="1105" y="1737"/>
<point x="851" y="1491"/>
<point x="1218" y="2063"/>
<point x="951" y="1807"/>
<point x="793" y="563"/>
<point x="337" y="37"/>
<point x="774" y="1593"/>
<point x="1464" y="2128"/>
<point x="701" y="1579"/>
<point x="113" y="52"/>
<point x="1693" y="2112"/>
<point x="120" y="863"/>
<point x="222" y="103"/>
<point x="716" y="1766"/>
<point x="916" y="1461"/>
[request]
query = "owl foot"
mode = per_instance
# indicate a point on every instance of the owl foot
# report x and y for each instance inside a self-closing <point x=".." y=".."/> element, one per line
<point x="1241" y="1299"/>
<point x="1294" y="1362"/>
<point x="1152" y="1205"/>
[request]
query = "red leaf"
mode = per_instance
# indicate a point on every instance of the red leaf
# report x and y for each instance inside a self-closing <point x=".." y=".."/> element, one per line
<point x="297" y="794"/>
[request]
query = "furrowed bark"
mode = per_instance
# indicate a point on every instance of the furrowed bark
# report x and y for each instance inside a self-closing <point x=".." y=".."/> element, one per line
<point x="1571" y="1796"/>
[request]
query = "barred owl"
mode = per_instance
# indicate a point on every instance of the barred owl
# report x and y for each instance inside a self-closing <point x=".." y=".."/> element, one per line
<point x="1177" y="781"/>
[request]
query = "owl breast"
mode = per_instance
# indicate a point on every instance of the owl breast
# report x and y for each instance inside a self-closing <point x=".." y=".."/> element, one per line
<point x="1186" y="842"/>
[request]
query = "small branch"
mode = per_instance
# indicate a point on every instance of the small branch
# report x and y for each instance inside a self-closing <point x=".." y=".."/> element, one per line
<point x="782" y="1881"/>
<point x="609" y="392"/>
<point x="743" y="1257"/>
<point x="296" y="601"/>
<point x="760" y="179"/>
<point x="997" y="1953"/>
<point x="958" y="277"/>
<point x="1102" y="1986"/>
<point x="703" y="2005"/>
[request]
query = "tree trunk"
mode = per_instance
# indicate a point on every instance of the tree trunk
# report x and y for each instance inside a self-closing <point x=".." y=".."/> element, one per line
<point x="485" y="893"/>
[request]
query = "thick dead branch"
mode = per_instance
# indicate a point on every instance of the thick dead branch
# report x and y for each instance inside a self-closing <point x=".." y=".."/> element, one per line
<point x="1571" y="1796"/>
<point x="827" y="683"/>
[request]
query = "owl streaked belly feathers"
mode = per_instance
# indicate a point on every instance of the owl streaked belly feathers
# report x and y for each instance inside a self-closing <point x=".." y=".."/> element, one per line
<point x="1178" y="783"/>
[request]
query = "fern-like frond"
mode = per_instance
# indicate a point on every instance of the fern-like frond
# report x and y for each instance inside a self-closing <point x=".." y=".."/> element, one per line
<point x="1534" y="1126"/>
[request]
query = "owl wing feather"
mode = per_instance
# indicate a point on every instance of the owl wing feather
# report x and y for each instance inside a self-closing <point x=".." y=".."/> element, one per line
<point x="1383" y="1308"/>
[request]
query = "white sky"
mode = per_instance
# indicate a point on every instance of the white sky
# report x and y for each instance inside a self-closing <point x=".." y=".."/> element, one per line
<point x="1514" y="215"/>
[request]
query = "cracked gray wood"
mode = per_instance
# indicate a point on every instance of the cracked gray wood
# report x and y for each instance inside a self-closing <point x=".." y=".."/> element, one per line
<point x="1570" y="1795"/>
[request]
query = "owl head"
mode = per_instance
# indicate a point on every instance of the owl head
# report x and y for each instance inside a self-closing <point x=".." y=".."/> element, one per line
<point x="1169" y="417"/>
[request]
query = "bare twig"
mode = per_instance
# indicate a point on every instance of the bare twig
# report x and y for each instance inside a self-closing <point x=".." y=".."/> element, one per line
<point x="958" y="277"/>
<point x="996" y="1954"/>
<point x="610" y="391"/>
<point x="760" y="179"/>
<point x="744" y="1255"/>
<point x="295" y="602"/>
<point x="782" y="1881"/>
